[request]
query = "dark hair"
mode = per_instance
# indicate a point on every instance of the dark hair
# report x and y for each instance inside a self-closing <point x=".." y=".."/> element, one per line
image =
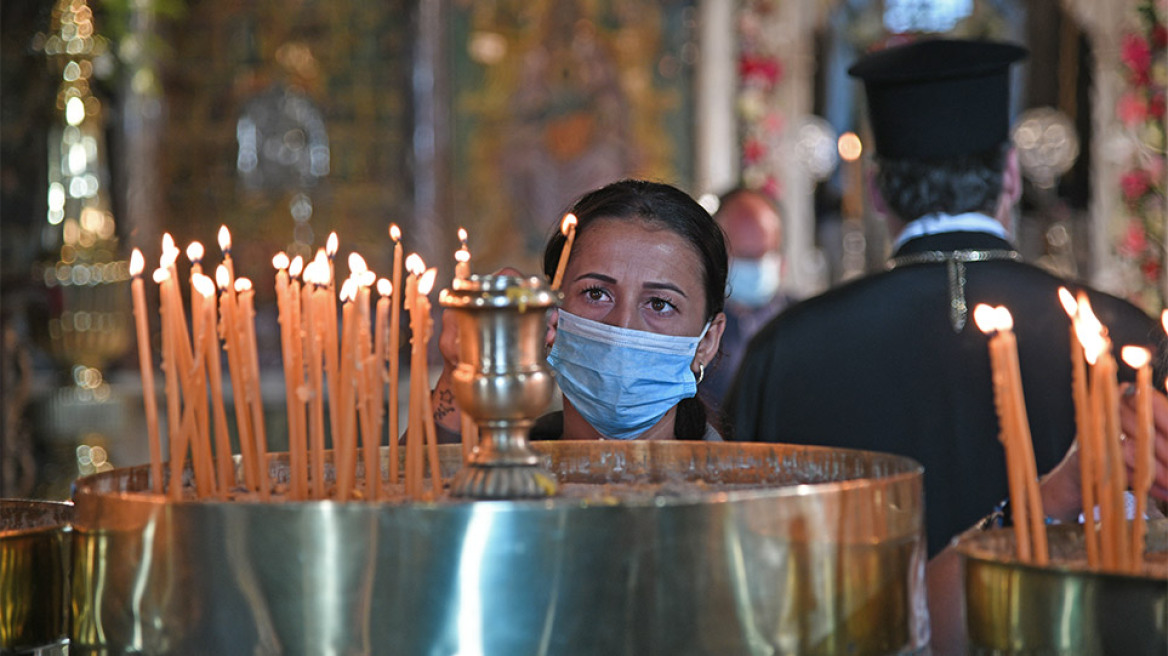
<point x="660" y="204"/>
<point x="913" y="188"/>
<point x="674" y="210"/>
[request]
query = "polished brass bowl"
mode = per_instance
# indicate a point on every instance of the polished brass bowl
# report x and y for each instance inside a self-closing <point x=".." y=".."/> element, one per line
<point x="1012" y="608"/>
<point x="715" y="549"/>
<point x="33" y="573"/>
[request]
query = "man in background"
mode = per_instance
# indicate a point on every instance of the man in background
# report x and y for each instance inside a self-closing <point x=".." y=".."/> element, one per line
<point x="893" y="362"/>
<point x="754" y="237"/>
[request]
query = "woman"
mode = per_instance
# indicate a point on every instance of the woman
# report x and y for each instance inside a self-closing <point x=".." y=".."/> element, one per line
<point x="640" y="321"/>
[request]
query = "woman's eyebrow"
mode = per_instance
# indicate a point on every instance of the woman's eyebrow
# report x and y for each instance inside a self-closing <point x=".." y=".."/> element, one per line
<point x="597" y="276"/>
<point x="664" y="285"/>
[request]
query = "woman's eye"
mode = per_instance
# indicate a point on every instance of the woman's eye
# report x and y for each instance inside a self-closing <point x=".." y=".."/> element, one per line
<point x="594" y="294"/>
<point x="660" y="305"/>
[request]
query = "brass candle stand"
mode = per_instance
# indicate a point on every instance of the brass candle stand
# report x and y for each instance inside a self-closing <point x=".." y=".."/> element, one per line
<point x="502" y="381"/>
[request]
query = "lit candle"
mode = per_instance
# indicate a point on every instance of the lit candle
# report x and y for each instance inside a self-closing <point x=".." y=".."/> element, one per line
<point x="1140" y="359"/>
<point x="327" y="319"/>
<point x="225" y="246"/>
<point x="235" y="364"/>
<point x="177" y="450"/>
<point x="224" y="463"/>
<point x="299" y="436"/>
<point x="392" y="350"/>
<point x="195" y="255"/>
<point x="568" y="227"/>
<point x="284" y="313"/>
<point x="1104" y="436"/>
<point x="415" y="432"/>
<point x="245" y="294"/>
<point x="425" y="284"/>
<point x="314" y="310"/>
<point x="384" y="291"/>
<point x="146" y="366"/>
<point x="343" y="442"/>
<point x="201" y="440"/>
<point x="462" y="256"/>
<point x="1082" y="428"/>
<point x="1026" y="505"/>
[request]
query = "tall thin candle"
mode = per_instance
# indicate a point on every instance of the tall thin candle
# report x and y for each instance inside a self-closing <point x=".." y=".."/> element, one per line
<point x="393" y="351"/>
<point x="568" y="227"/>
<point x="1140" y="359"/>
<point x="1083" y="431"/>
<point x="146" y="366"/>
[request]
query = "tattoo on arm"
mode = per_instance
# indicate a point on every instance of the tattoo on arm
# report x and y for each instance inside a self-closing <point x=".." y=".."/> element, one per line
<point x="445" y="404"/>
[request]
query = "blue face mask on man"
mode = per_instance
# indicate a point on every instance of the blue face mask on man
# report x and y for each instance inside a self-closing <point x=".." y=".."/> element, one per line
<point x="622" y="381"/>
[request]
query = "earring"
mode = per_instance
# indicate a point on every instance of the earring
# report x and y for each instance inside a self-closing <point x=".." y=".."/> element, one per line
<point x="701" y="373"/>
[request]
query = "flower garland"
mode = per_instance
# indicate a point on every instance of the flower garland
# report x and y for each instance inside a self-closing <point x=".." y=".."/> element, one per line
<point x="1141" y="111"/>
<point x="760" y="72"/>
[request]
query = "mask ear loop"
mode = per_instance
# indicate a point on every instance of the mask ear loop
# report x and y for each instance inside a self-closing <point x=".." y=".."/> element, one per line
<point x="702" y="367"/>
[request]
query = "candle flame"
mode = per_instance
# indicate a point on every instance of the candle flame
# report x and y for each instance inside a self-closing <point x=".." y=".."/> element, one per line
<point x="357" y="264"/>
<point x="986" y="318"/>
<point x="367" y="278"/>
<point x="195" y="252"/>
<point x="348" y="290"/>
<point x="415" y="265"/>
<point x="297" y="266"/>
<point x="204" y="285"/>
<point x="568" y="224"/>
<point x="224" y="239"/>
<point x="168" y="258"/>
<point x="1068" y="301"/>
<point x="137" y="263"/>
<point x="394" y="232"/>
<point x="1135" y="356"/>
<point x="462" y="255"/>
<point x="1005" y="319"/>
<point x="161" y="275"/>
<point x="462" y="236"/>
<point x="222" y="278"/>
<point x="280" y="261"/>
<point x="1090" y="332"/>
<point x="331" y="245"/>
<point x="426" y="282"/>
<point x="167" y="242"/>
<point x="1164" y="319"/>
<point x="242" y="285"/>
<point x="384" y="287"/>
<point x="849" y="146"/>
<point x="323" y="273"/>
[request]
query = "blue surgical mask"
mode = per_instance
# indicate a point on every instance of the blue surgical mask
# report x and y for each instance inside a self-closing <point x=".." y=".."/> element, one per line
<point x="754" y="282"/>
<point x="622" y="381"/>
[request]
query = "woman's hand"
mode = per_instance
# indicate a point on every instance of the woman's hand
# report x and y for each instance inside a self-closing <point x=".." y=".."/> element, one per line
<point x="1130" y="422"/>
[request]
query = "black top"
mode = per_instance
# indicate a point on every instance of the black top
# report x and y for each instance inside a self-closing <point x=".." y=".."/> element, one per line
<point x="876" y="365"/>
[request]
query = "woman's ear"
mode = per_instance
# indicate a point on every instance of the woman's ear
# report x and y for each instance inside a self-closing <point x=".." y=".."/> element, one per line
<point x="553" y="319"/>
<point x="708" y="347"/>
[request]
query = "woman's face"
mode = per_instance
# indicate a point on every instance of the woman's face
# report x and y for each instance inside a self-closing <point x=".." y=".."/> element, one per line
<point x="634" y="274"/>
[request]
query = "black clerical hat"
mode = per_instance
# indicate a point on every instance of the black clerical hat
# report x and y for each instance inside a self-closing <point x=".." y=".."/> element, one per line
<point x="938" y="98"/>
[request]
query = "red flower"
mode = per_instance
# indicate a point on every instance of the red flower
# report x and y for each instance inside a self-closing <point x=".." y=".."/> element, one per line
<point x="1156" y="105"/>
<point x="1134" y="184"/>
<point x="1137" y="56"/>
<point x="1134" y="241"/>
<point x="1160" y="35"/>
<point x="753" y="150"/>
<point x="1131" y="109"/>
<point x="767" y="70"/>
<point x="772" y="187"/>
<point x="1151" y="269"/>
